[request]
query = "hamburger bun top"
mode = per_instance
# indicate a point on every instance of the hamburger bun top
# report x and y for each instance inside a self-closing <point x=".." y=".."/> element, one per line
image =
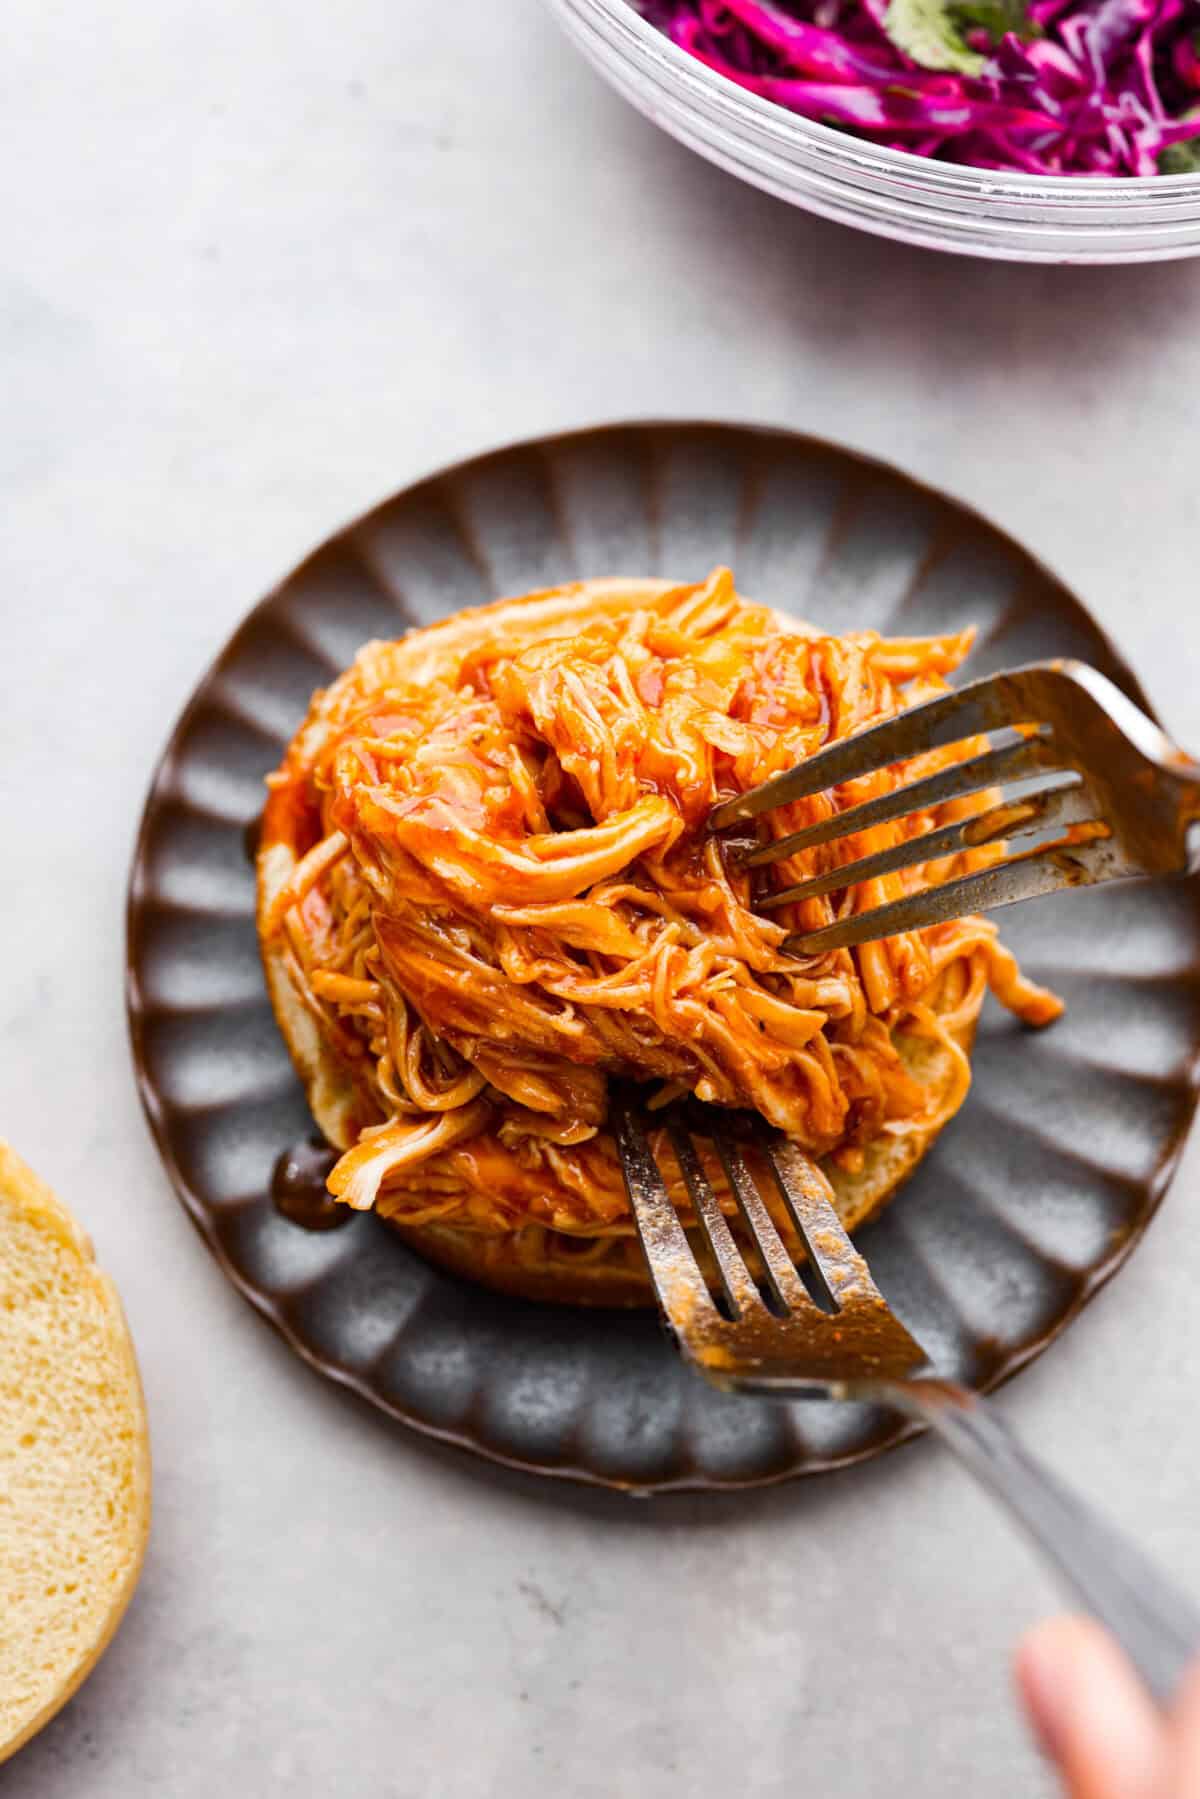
<point x="74" y="1453"/>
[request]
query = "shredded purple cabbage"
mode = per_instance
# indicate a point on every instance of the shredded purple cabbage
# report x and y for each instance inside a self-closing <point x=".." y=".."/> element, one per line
<point x="1044" y="87"/>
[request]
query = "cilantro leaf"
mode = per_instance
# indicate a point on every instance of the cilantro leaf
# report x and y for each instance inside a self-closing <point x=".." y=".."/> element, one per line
<point x="1182" y="158"/>
<point x="934" y="33"/>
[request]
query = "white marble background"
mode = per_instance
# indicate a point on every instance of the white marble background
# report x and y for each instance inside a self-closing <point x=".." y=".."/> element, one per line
<point x="260" y="265"/>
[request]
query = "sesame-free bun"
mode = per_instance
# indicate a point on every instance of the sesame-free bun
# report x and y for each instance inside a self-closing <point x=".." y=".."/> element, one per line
<point x="74" y="1456"/>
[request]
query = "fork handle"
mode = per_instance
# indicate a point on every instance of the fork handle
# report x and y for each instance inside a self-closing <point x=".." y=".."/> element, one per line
<point x="1155" y="1624"/>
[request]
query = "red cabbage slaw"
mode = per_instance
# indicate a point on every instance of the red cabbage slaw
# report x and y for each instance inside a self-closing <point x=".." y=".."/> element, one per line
<point x="1043" y="87"/>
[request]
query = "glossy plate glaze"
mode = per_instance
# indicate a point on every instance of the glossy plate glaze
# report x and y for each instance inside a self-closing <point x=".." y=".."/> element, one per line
<point x="1034" y="1195"/>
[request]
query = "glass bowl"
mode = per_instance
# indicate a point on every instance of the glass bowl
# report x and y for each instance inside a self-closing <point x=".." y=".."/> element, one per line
<point x="939" y="205"/>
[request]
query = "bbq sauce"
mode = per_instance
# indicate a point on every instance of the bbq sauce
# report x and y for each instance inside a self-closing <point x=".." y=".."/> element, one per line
<point x="298" y="1187"/>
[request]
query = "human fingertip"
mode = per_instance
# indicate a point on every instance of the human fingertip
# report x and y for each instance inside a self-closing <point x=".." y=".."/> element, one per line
<point x="1041" y="1666"/>
<point x="1088" y="1711"/>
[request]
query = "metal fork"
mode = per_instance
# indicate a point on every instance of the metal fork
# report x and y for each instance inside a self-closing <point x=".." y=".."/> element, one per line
<point x="1092" y="759"/>
<point x="841" y="1341"/>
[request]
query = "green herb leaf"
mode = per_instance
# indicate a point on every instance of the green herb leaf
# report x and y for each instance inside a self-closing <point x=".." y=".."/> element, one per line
<point x="1182" y="158"/>
<point x="934" y="33"/>
<point x="925" y="31"/>
<point x="996" y="17"/>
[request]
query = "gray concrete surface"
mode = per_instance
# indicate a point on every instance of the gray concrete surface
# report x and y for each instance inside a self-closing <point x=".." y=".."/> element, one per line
<point x="260" y="265"/>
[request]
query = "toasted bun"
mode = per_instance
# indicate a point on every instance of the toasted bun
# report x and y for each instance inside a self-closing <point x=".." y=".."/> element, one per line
<point x="74" y="1452"/>
<point x="534" y="1263"/>
<point x="889" y="1161"/>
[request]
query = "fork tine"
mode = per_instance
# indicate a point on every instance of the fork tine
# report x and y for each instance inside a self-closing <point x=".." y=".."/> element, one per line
<point x="786" y="1284"/>
<point x="1047" y="808"/>
<point x="806" y="1191"/>
<point x="843" y="1270"/>
<point x="1037" y="872"/>
<point x="680" y="1286"/>
<point x="984" y="705"/>
<point x="736" y="1279"/>
<point x="1029" y="756"/>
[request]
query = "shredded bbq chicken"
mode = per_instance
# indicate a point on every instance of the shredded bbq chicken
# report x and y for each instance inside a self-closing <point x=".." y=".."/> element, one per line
<point x="507" y="895"/>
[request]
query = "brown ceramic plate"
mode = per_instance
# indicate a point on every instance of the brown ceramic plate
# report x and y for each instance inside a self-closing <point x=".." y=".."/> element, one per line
<point x="1034" y="1196"/>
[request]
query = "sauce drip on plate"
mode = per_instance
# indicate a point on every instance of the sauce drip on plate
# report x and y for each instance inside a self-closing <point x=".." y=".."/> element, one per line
<point x="298" y="1187"/>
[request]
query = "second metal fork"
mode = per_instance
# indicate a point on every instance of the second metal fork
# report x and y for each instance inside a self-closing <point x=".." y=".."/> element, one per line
<point x="1094" y="767"/>
<point x="835" y="1335"/>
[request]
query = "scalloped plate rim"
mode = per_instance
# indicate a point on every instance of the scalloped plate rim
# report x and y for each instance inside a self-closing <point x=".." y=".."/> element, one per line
<point x="267" y="1307"/>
